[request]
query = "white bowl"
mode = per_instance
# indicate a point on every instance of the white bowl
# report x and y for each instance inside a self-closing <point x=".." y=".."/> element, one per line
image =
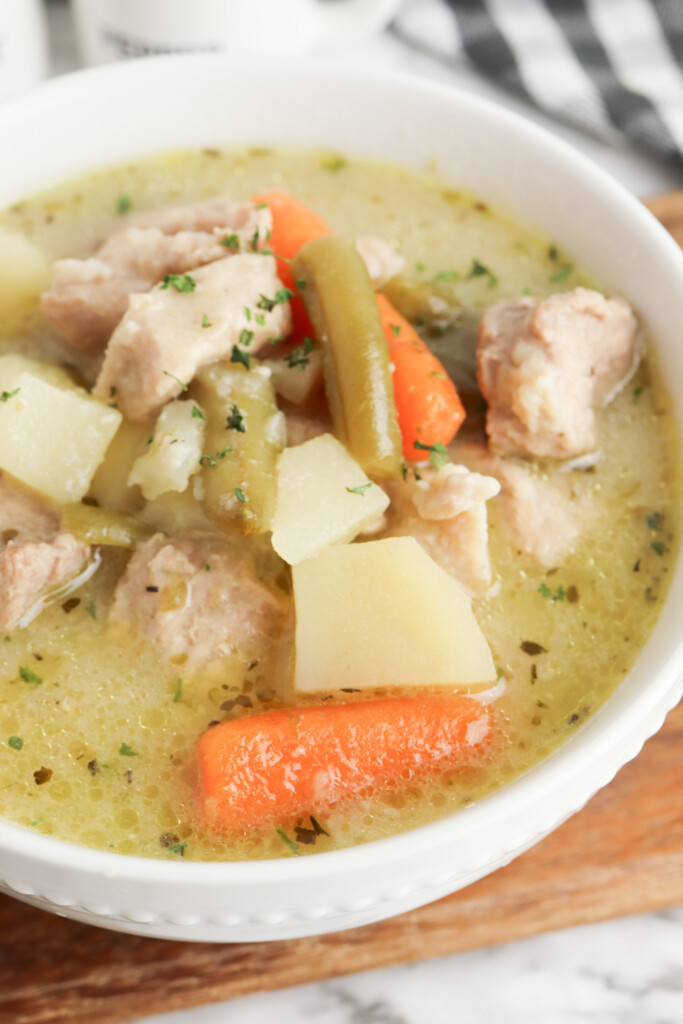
<point x="110" y="115"/>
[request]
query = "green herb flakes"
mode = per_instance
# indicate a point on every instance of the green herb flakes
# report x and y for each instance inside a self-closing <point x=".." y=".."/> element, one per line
<point x="92" y="611"/>
<point x="659" y="547"/>
<point x="178" y="849"/>
<point x="177" y="696"/>
<point x="123" y="205"/>
<point x="237" y="420"/>
<point x="562" y="274"/>
<point x="29" y="676"/>
<point x="437" y="373"/>
<point x="197" y="413"/>
<point x="298" y="357"/>
<point x="176" y="379"/>
<point x="239" y="356"/>
<point x="247" y="314"/>
<point x="333" y="163"/>
<point x="637" y="392"/>
<point x="281" y="295"/>
<point x="260" y="319"/>
<point x="420" y="267"/>
<point x="127" y="751"/>
<point x="231" y="242"/>
<point x="395" y="330"/>
<point x="15" y="742"/>
<point x="479" y="269"/>
<point x="240" y="495"/>
<point x="206" y="322"/>
<point x="211" y="460"/>
<point x="246" y="338"/>
<point x="654" y="521"/>
<point x="207" y="566"/>
<point x="181" y="282"/>
<point x="554" y="595"/>
<point x="289" y="843"/>
<point x="361" y="489"/>
<point x="438" y="454"/>
<point x="553" y="252"/>
<point x="6" y="395"/>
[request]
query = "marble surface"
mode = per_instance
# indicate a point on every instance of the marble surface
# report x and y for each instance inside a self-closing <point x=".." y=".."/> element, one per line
<point x="620" y="972"/>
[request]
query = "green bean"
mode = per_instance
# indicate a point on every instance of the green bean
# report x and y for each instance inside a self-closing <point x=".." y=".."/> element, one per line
<point x="102" y="526"/>
<point x="245" y="433"/>
<point x="340" y="301"/>
<point x="432" y="303"/>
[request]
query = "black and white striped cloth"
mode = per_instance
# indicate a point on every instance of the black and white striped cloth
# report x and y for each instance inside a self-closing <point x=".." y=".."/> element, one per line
<point x="611" y="67"/>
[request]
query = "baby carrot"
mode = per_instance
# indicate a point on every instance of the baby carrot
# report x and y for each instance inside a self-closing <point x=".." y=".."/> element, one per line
<point x="429" y="408"/>
<point x="267" y="768"/>
<point x="294" y="224"/>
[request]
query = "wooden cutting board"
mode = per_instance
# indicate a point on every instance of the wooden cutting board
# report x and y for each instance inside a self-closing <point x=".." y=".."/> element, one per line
<point x="622" y="854"/>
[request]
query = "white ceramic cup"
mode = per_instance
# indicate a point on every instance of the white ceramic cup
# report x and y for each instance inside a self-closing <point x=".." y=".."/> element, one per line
<point x="117" y="29"/>
<point x="23" y="46"/>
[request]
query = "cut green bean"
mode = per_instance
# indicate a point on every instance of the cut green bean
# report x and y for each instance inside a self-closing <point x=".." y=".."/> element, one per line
<point x="245" y="433"/>
<point x="102" y="526"/>
<point x="340" y="301"/>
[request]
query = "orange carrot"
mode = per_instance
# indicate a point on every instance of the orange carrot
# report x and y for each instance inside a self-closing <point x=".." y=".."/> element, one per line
<point x="429" y="408"/>
<point x="293" y="226"/>
<point x="268" y="768"/>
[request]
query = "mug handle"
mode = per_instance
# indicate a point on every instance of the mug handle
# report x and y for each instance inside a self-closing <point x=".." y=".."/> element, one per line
<point x="346" y="21"/>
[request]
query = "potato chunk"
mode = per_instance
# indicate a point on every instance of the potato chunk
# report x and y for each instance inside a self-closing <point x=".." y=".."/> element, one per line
<point x="24" y="269"/>
<point x="323" y="498"/>
<point x="384" y="614"/>
<point x="52" y="438"/>
<point x="173" y="455"/>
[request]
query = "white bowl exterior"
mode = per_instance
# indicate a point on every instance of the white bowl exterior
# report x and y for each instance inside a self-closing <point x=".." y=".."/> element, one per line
<point x="92" y="119"/>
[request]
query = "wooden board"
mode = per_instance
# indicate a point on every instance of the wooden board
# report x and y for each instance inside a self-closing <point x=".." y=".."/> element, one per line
<point x="621" y="855"/>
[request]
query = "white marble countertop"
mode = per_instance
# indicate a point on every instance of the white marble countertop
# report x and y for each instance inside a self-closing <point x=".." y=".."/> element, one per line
<point x="620" y="972"/>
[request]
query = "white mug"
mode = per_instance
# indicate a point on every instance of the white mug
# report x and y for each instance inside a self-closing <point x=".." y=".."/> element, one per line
<point x="23" y="46"/>
<point x="115" y="29"/>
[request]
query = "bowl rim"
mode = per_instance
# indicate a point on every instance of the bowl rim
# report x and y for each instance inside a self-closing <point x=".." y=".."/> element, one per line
<point x="565" y="761"/>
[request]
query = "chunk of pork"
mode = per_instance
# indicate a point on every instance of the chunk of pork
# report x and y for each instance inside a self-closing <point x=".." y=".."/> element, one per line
<point x="167" y="335"/>
<point x="88" y="298"/>
<point x="446" y="513"/>
<point x="197" y="598"/>
<point x="35" y="556"/>
<point x="382" y="261"/>
<point x="545" y="365"/>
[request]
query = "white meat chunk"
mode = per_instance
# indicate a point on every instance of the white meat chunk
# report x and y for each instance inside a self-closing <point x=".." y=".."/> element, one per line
<point x="197" y="598"/>
<point x="382" y="261"/>
<point x="545" y="366"/>
<point x="88" y="298"/>
<point x="167" y="335"/>
<point x="544" y="519"/>
<point x="35" y="557"/>
<point x="446" y="513"/>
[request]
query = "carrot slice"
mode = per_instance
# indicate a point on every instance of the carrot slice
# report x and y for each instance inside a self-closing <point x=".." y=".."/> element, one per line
<point x="429" y="408"/>
<point x="268" y="768"/>
<point x="294" y="224"/>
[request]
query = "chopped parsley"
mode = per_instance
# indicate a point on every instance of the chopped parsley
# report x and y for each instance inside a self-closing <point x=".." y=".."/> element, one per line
<point x="420" y="267"/>
<point x="552" y="252"/>
<point x="300" y="282"/>
<point x="281" y="295"/>
<point x="123" y="205"/>
<point x="637" y="392"/>
<point x="333" y="163"/>
<point x="260" y="319"/>
<point x="659" y="547"/>
<point x="126" y="751"/>
<point x="29" y="676"/>
<point x="178" y="848"/>
<point x="395" y="330"/>
<point x="176" y="379"/>
<point x="298" y="357"/>
<point x="210" y="460"/>
<point x="554" y="595"/>
<point x="246" y="337"/>
<point x="446" y="275"/>
<point x="92" y="611"/>
<point x="231" y="242"/>
<point x="562" y="273"/>
<point x="197" y="413"/>
<point x="239" y="356"/>
<point x="438" y="455"/>
<point x="237" y="420"/>
<point x="240" y="495"/>
<point x="15" y="742"/>
<point x="361" y="489"/>
<point x="479" y="269"/>
<point x="177" y="696"/>
<point x="181" y="282"/>
<point x="206" y="322"/>
<point x="437" y="373"/>
<point x="6" y="395"/>
<point x="247" y="314"/>
<point x="654" y="521"/>
<point x="207" y="566"/>
<point x="289" y="843"/>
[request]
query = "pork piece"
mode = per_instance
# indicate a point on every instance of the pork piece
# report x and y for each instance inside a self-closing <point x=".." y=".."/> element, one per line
<point x="88" y="298"/>
<point x="446" y="513"/>
<point x="544" y="519"/>
<point x="167" y="335"/>
<point x="544" y="367"/>
<point x="382" y="261"/>
<point x="35" y="557"/>
<point x="197" y="598"/>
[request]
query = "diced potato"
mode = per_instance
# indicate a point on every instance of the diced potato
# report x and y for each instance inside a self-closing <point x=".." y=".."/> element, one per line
<point x="174" y="453"/>
<point x="173" y="512"/>
<point x="384" y="614"/>
<point x="24" y="269"/>
<point x="52" y="438"/>
<point x="299" y="382"/>
<point x="315" y="506"/>
<point x="110" y="484"/>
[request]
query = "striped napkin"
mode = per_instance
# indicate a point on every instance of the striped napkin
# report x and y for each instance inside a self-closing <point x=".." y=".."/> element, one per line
<point x="611" y="67"/>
